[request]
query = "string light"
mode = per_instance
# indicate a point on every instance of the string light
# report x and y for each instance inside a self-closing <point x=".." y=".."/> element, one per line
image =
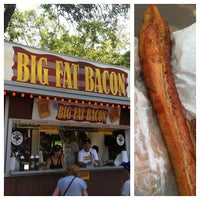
<point x="70" y="100"/>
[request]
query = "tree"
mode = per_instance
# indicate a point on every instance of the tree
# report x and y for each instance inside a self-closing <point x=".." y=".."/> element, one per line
<point x="88" y="31"/>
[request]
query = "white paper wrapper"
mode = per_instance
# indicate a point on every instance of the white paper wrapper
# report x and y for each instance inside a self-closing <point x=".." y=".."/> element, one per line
<point x="153" y="171"/>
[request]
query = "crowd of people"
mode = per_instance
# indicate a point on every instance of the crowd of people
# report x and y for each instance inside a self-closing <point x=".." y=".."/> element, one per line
<point x="69" y="156"/>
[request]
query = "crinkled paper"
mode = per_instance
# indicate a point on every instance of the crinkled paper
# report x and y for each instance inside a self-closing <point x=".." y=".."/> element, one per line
<point x="153" y="171"/>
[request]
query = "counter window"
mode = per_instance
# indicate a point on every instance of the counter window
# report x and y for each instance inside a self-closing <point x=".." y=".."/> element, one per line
<point x="30" y="143"/>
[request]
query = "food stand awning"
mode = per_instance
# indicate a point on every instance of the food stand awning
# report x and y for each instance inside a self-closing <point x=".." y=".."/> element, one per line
<point x="49" y="91"/>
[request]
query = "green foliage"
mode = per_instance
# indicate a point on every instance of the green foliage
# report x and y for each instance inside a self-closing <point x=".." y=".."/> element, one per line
<point x="89" y="31"/>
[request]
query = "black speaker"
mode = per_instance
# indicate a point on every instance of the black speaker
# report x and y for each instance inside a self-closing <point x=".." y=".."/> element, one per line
<point x="109" y="140"/>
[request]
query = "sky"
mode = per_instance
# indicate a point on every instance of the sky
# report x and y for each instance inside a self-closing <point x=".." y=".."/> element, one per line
<point x="24" y="6"/>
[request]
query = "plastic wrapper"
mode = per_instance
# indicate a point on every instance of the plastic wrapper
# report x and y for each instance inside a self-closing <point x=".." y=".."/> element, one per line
<point x="153" y="171"/>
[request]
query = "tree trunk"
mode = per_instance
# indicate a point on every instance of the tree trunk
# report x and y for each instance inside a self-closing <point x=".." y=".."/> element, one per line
<point x="9" y="10"/>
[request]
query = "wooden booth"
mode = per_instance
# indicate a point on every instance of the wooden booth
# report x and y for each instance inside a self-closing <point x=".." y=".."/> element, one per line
<point x="47" y="93"/>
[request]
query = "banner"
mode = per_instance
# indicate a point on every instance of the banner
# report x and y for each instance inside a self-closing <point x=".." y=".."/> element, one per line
<point x="64" y="111"/>
<point x="33" y="66"/>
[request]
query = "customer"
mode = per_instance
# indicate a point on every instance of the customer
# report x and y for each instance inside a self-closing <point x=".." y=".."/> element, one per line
<point x="88" y="157"/>
<point x="56" y="160"/>
<point x="70" y="149"/>
<point x="125" y="190"/>
<point x="71" y="184"/>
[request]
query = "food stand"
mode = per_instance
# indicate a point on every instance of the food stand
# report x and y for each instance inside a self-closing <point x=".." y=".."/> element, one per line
<point x="47" y="93"/>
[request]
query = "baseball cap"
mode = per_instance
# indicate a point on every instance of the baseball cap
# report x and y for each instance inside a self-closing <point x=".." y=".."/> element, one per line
<point x="57" y="148"/>
<point x="67" y="133"/>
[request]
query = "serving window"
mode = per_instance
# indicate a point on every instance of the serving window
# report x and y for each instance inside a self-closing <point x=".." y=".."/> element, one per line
<point x="34" y="138"/>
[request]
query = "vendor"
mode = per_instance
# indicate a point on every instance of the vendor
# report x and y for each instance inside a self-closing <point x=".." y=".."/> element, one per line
<point x="70" y="149"/>
<point x="88" y="156"/>
<point x="56" y="161"/>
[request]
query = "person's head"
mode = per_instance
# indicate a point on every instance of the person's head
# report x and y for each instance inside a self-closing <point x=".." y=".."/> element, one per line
<point x="96" y="148"/>
<point x="57" y="150"/>
<point x="68" y="136"/>
<point x="73" y="170"/>
<point x="87" y="144"/>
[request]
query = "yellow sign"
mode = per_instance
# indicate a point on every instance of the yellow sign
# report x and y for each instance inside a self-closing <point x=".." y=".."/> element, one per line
<point x="49" y="70"/>
<point x="85" y="175"/>
<point x="105" y="131"/>
<point x="43" y="108"/>
<point x="48" y="129"/>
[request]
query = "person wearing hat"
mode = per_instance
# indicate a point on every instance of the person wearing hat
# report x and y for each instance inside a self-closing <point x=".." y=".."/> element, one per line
<point x="56" y="160"/>
<point x="70" y="149"/>
<point x="88" y="157"/>
<point x="125" y="190"/>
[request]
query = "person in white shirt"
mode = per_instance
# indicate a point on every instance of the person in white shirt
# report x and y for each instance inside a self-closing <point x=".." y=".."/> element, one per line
<point x="70" y="149"/>
<point x="88" y="157"/>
